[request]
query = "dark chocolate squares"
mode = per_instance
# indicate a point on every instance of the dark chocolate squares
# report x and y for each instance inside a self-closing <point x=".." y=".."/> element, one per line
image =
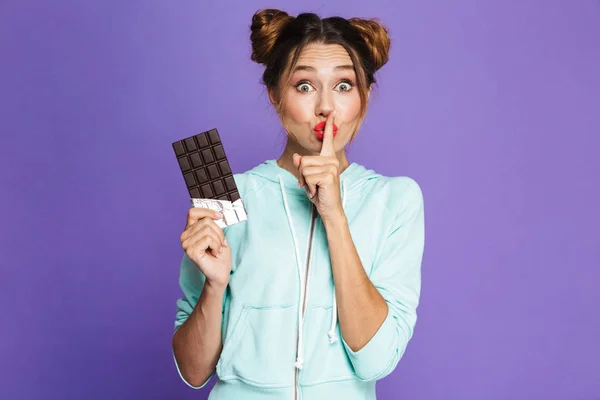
<point x="205" y="167"/>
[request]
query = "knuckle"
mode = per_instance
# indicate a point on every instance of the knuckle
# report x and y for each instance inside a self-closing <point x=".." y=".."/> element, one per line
<point x="204" y="222"/>
<point x="203" y="241"/>
<point x="194" y="228"/>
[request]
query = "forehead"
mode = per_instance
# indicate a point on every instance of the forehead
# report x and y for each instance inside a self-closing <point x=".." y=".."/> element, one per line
<point x="324" y="56"/>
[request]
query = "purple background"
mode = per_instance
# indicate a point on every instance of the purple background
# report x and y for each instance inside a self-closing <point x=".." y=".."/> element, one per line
<point x="493" y="108"/>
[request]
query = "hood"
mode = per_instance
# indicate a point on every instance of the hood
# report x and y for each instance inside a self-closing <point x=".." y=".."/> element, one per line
<point x="352" y="181"/>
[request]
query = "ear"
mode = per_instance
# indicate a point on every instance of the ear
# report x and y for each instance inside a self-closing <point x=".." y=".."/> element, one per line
<point x="272" y="98"/>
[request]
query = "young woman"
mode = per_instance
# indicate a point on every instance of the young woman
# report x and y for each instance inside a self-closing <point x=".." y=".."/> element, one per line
<point x="315" y="295"/>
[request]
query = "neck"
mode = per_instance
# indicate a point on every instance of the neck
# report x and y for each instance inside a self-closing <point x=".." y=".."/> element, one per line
<point x="286" y="160"/>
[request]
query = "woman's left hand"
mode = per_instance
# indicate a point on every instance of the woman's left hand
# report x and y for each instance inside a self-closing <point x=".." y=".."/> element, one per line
<point x="320" y="175"/>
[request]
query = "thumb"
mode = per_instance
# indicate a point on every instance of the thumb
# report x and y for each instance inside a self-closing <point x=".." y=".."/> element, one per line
<point x="296" y="158"/>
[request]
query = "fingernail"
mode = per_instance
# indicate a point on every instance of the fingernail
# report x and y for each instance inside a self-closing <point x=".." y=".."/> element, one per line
<point x="334" y="111"/>
<point x="299" y="185"/>
<point x="225" y="241"/>
<point x="219" y="214"/>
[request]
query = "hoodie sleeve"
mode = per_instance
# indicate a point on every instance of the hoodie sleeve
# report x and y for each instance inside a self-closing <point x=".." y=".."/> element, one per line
<point x="397" y="277"/>
<point x="191" y="281"/>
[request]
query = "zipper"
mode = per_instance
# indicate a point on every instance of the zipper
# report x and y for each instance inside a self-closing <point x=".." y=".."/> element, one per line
<point x="313" y="223"/>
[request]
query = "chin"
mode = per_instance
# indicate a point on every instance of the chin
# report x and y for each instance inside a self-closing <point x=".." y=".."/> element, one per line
<point x="313" y="147"/>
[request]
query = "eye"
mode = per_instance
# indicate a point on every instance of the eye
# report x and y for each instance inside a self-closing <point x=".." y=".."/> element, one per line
<point x="304" y="86"/>
<point x="346" y="85"/>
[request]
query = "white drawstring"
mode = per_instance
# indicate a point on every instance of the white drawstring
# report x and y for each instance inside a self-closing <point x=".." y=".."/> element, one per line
<point x="332" y="332"/>
<point x="332" y="336"/>
<point x="299" y="359"/>
<point x="309" y="245"/>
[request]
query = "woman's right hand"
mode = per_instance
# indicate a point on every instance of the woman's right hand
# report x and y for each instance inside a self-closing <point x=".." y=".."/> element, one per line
<point x="205" y="244"/>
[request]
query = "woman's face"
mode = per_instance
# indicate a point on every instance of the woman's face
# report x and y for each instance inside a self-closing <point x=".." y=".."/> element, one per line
<point x="322" y="81"/>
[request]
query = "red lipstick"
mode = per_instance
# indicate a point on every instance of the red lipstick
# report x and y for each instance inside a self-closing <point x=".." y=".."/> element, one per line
<point x="320" y="129"/>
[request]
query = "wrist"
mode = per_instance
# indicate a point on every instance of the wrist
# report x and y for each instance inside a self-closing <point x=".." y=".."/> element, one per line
<point x="336" y="220"/>
<point x="214" y="288"/>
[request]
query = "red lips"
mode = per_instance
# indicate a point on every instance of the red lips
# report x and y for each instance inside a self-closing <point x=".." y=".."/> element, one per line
<point x="320" y="128"/>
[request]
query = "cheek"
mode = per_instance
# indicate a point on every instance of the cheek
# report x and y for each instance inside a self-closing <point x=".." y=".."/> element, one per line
<point x="349" y="106"/>
<point x="298" y="108"/>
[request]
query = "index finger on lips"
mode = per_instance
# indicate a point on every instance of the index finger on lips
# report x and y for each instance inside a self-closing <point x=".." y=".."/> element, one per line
<point x="327" y="148"/>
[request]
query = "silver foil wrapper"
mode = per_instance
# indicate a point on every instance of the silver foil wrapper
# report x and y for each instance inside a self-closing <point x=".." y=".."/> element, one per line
<point x="233" y="212"/>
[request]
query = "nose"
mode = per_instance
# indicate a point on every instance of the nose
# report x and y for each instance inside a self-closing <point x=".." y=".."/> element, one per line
<point x="325" y="105"/>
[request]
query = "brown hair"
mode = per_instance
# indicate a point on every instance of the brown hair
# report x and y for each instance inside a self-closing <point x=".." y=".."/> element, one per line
<point x="276" y="37"/>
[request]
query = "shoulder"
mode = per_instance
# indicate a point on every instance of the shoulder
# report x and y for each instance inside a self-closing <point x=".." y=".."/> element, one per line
<point x="400" y="193"/>
<point x="402" y="186"/>
<point x="405" y="202"/>
<point x="246" y="183"/>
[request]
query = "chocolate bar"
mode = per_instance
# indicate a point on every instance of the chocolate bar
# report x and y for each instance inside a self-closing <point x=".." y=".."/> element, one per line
<point x="205" y="168"/>
<point x="208" y="176"/>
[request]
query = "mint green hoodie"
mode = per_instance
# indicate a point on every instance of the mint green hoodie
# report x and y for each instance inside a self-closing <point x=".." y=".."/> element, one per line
<point x="271" y="350"/>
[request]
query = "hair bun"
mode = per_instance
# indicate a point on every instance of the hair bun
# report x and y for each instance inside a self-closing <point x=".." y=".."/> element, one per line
<point x="376" y="36"/>
<point x="266" y="26"/>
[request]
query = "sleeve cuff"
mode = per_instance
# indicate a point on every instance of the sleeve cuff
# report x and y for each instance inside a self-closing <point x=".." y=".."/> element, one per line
<point x="183" y="379"/>
<point x="374" y="359"/>
<point x="186" y="382"/>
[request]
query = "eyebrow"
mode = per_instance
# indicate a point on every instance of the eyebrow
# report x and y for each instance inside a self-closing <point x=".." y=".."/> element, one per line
<point x="311" y="69"/>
